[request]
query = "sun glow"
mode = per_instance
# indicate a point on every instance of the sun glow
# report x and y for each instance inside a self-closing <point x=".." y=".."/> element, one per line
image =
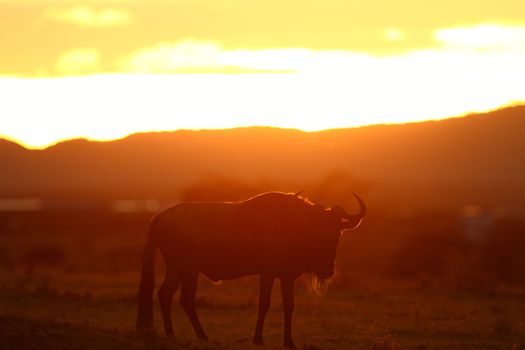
<point x="157" y="88"/>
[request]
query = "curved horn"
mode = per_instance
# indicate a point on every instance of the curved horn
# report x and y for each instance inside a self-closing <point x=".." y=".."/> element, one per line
<point x="362" y="206"/>
<point x="354" y="220"/>
<point x="297" y="194"/>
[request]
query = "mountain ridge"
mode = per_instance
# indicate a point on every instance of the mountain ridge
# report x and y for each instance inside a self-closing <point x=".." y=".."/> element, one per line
<point x="474" y="159"/>
<point x="520" y="108"/>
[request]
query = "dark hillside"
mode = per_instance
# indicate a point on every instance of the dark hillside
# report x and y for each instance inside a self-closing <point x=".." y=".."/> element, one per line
<point x="473" y="159"/>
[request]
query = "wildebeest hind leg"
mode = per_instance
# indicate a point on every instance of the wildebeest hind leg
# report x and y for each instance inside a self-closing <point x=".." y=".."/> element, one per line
<point x="165" y="294"/>
<point x="189" y="283"/>
<point x="265" y="296"/>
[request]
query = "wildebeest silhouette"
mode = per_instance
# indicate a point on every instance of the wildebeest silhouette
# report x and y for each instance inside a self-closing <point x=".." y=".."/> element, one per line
<point x="274" y="235"/>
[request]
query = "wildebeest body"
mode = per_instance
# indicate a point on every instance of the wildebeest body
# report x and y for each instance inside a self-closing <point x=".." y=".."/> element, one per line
<point x="274" y="235"/>
<point x="231" y="240"/>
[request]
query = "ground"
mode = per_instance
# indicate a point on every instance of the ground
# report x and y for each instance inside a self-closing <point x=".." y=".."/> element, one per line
<point x="57" y="309"/>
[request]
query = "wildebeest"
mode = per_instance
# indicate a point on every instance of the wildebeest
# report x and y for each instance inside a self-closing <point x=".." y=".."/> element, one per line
<point x="274" y="235"/>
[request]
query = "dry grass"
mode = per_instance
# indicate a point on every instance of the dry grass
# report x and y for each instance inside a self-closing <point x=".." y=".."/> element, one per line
<point x="398" y="288"/>
<point x="49" y="309"/>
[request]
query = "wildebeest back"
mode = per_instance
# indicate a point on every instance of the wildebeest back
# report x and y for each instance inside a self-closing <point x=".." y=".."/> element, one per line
<point x="228" y="240"/>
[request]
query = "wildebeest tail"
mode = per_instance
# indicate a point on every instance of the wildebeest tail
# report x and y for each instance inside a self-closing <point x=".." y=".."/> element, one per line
<point x="147" y="284"/>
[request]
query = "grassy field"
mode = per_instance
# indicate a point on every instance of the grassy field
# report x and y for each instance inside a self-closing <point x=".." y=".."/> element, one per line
<point x="46" y="309"/>
<point x="73" y="284"/>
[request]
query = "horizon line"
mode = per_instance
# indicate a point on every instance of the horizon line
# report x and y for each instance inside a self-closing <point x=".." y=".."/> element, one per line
<point x="517" y="104"/>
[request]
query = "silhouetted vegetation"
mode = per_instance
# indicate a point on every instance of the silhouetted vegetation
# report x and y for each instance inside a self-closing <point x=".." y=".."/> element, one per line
<point x="398" y="246"/>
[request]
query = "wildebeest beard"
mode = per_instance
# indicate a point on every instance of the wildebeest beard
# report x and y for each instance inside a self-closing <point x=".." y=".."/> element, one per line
<point x="317" y="285"/>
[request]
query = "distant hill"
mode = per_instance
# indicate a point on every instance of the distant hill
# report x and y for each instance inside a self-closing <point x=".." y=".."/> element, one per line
<point x="469" y="160"/>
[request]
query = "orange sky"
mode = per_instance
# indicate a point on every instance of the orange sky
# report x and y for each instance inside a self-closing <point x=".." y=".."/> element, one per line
<point x="103" y="69"/>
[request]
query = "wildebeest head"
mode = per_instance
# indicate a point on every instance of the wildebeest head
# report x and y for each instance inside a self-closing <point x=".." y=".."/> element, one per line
<point x="326" y="226"/>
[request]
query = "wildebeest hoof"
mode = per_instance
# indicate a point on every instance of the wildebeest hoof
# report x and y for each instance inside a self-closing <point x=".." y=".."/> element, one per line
<point x="150" y="330"/>
<point x="289" y="344"/>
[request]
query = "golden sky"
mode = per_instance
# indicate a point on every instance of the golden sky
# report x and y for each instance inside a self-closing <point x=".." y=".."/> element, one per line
<point x="103" y="69"/>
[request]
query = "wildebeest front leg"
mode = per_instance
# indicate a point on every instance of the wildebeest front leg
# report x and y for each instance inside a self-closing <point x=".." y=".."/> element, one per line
<point x="189" y="283"/>
<point x="265" y="297"/>
<point x="287" y="285"/>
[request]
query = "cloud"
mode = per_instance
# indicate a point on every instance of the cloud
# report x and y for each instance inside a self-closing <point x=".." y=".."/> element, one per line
<point x="459" y="44"/>
<point x="201" y="56"/>
<point x="88" y="17"/>
<point x="78" y="61"/>
<point x="483" y="36"/>
<point x="170" y="57"/>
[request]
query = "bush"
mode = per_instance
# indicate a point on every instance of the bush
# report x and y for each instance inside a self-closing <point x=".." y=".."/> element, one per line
<point x="44" y="255"/>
